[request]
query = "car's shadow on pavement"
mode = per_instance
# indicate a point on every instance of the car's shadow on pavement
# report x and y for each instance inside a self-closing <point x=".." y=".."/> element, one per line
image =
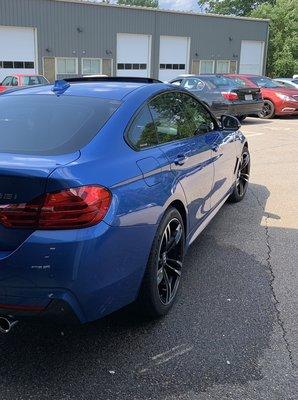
<point x="216" y="333"/>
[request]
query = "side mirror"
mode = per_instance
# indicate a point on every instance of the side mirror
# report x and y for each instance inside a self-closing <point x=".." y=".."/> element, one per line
<point x="230" y="123"/>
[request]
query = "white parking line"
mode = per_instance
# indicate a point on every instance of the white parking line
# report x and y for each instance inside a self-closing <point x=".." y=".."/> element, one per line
<point x="251" y="134"/>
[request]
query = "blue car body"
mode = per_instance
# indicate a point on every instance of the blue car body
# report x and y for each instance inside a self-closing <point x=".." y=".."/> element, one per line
<point x="90" y="272"/>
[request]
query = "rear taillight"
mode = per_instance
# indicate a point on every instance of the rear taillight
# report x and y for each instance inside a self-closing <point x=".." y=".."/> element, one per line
<point x="230" y="95"/>
<point x="67" y="209"/>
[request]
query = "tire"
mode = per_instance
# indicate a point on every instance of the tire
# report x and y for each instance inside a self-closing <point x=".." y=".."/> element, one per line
<point x="268" y="110"/>
<point x="242" y="180"/>
<point x="241" y="117"/>
<point x="154" y="299"/>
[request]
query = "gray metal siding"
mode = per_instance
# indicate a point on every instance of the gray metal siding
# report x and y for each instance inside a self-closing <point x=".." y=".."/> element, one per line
<point x="57" y="24"/>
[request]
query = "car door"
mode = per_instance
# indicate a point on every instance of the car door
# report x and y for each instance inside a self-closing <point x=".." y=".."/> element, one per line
<point x="224" y="155"/>
<point x="189" y="155"/>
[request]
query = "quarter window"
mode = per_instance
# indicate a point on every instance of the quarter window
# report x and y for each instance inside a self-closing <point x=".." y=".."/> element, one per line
<point x="170" y="121"/>
<point x="142" y="133"/>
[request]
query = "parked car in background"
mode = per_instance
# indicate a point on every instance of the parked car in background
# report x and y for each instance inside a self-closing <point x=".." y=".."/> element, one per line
<point x="104" y="186"/>
<point x="288" y="82"/>
<point x="223" y="95"/>
<point x="278" y="100"/>
<point x="19" y="80"/>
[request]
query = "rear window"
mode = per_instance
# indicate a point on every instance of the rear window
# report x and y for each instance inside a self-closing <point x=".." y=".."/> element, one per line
<point x="220" y="81"/>
<point x="51" y="125"/>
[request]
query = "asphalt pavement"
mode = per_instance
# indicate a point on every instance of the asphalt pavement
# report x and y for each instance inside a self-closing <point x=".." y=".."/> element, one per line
<point x="232" y="335"/>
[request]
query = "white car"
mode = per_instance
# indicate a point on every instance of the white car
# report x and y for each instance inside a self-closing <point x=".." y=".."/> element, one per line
<point x="288" y="82"/>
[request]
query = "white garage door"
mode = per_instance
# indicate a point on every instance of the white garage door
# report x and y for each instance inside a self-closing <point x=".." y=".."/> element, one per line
<point x="173" y="57"/>
<point x="251" y="57"/>
<point x="17" y="51"/>
<point x="133" y="55"/>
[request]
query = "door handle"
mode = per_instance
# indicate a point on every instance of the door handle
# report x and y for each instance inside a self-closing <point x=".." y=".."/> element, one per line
<point x="180" y="159"/>
<point x="215" y="147"/>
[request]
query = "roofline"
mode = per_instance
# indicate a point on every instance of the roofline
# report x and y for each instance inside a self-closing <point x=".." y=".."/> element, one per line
<point x="192" y="13"/>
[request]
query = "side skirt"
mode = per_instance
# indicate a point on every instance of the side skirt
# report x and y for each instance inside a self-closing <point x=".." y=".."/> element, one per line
<point x="207" y="220"/>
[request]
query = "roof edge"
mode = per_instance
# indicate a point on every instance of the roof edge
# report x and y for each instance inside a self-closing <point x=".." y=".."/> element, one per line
<point x="192" y="13"/>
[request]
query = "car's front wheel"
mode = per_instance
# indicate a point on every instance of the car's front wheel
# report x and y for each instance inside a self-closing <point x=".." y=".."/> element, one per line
<point x="242" y="178"/>
<point x="268" y="110"/>
<point x="162" y="277"/>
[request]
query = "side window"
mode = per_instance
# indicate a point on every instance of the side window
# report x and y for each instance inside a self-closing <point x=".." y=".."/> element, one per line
<point x="177" y="82"/>
<point x="170" y="121"/>
<point x="7" y="81"/>
<point x="14" y="81"/>
<point x="142" y="132"/>
<point x="198" y="117"/>
<point x="194" y="84"/>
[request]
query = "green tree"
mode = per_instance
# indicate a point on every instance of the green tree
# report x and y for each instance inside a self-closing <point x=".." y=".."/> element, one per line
<point x="232" y="7"/>
<point x="283" y="36"/>
<point x="140" y="3"/>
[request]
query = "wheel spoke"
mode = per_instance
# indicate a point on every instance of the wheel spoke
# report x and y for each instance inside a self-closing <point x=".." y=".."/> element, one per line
<point x="245" y="177"/>
<point x="160" y="276"/>
<point x="168" y="286"/>
<point x="245" y="161"/>
<point x="240" y="188"/>
<point x="174" y="266"/>
<point x="175" y="239"/>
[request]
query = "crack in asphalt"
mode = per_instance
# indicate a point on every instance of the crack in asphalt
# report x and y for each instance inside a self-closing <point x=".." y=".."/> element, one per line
<point x="272" y="279"/>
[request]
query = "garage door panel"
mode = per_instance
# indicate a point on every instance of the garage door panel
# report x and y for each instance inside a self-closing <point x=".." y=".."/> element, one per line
<point x="251" y="57"/>
<point x="17" y="45"/>
<point x="173" y="57"/>
<point x="133" y="55"/>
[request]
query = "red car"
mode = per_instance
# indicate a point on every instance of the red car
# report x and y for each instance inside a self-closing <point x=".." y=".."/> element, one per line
<point x="278" y="100"/>
<point x="22" y="80"/>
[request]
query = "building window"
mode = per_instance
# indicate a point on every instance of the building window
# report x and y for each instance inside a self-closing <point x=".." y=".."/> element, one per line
<point x="67" y="66"/>
<point x="121" y="66"/>
<point x="17" y="64"/>
<point x="172" y="66"/>
<point x="223" y="66"/>
<point x="207" y="66"/>
<point x="91" y="66"/>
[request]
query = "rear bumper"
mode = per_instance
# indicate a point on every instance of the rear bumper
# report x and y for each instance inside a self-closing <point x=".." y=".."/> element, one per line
<point x="81" y="274"/>
<point x="238" y="108"/>
<point x="246" y="108"/>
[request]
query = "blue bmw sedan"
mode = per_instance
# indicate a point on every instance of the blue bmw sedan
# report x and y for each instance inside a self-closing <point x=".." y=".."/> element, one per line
<point x="104" y="184"/>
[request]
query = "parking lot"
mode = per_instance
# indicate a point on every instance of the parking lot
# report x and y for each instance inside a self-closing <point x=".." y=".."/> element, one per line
<point x="232" y="335"/>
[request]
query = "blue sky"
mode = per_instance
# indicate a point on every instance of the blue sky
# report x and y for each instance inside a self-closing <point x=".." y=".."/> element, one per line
<point x="184" y="5"/>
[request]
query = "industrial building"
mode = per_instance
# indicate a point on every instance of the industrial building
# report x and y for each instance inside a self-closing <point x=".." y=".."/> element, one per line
<point x="65" y="38"/>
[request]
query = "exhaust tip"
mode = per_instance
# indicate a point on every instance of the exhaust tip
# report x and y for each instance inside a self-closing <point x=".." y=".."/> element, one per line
<point x="6" y="324"/>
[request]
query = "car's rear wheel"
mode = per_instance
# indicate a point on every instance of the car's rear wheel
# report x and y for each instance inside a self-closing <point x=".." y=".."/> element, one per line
<point x="162" y="277"/>
<point x="242" y="180"/>
<point x="268" y="110"/>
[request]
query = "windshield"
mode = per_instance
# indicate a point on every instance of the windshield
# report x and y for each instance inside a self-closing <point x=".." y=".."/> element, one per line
<point x="265" y="82"/>
<point x="49" y="124"/>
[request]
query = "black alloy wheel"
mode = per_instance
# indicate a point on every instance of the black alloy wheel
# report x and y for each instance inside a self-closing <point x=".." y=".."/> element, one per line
<point x="268" y="110"/>
<point x="162" y="278"/>
<point x="242" y="179"/>
<point x="170" y="257"/>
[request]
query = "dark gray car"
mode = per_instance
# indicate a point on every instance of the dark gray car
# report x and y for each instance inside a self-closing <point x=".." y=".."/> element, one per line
<point x="223" y="95"/>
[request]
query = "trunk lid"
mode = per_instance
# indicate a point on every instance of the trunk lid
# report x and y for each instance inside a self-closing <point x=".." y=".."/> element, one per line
<point x="23" y="178"/>
<point x="248" y="93"/>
